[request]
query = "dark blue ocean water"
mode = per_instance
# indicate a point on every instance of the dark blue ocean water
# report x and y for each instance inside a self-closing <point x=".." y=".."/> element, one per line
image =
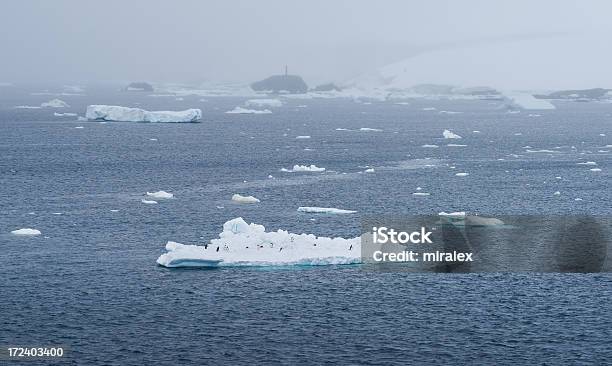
<point x="90" y="281"/>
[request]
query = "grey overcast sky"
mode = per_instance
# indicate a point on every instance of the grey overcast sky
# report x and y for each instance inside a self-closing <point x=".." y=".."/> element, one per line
<point x="244" y="40"/>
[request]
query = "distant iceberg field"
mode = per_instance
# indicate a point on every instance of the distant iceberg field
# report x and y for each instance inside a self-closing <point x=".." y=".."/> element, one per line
<point x="242" y="244"/>
<point x="126" y="114"/>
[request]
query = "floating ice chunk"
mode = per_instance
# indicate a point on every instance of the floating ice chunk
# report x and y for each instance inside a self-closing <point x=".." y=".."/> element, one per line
<point x="370" y="129"/>
<point x="577" y="199"/>
<point x="429" y="108"/>
<point x="242" y="244"/>
<point x="302" y="137"/>
<point x="79" y="127"/>
<point x="475" y="131"/>
<point x="450" y="135"/>
<point x="125" y="114"/>
<point x="54" y="103"/>
<point x="595" y="170"/>
<point x="587" y="163"/>
<point x="430" y="146"/>
<point x="462" y="174"/>
<point x="602" y="134"/>
<point x="26" y="232"/>
<point x="328" y="210"/>
<point x="304" y="168"/>
<point x="160" y="195"/>
<point x="420" y="194"/>
<point x="342" y="129"/>
<point x="542" y="151"/>
<point x="148" y="202"/>
<point x="64" y="114"/>
<point x="557" y="193"/>
<point x="244" y="199"/>
<point x="114" y="210"/>
<point x="449" y="112"/>
<point x="263" y="103"/>
<point x="26" y="107"/>
<point x="456" y="145"/>
<point x="369" y="170"/>
<point x="240" y="110"/>
<point x="152" y="139"/>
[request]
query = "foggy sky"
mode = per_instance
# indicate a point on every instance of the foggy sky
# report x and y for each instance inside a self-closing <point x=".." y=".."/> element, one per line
<point x="235" y="40"/>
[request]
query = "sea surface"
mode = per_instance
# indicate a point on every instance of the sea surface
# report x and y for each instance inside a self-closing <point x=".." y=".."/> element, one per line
<point x="90" y="282"/>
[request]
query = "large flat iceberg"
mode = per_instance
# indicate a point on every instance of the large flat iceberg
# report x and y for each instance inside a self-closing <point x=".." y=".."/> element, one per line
<point x="526" y="101"/>
<point x="126" y="114"/>
<point x="242" y="244"/>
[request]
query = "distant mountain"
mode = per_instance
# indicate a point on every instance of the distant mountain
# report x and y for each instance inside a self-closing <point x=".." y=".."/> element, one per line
<point x="292" y="84"/>
<point x="582" y="94"/>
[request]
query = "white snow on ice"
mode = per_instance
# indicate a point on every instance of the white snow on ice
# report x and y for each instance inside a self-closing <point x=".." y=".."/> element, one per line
<point x="26" y="232"/>
<point x="327" y="210"/>
<point x="126" y="114"/>
<point x="160" y="195"/>
<point x="450" y="135"/>
<point x="244" y="199"/>
<point x="240" y="110"/>
<point x="304" y="168"/>
<point x="242" y="244"/>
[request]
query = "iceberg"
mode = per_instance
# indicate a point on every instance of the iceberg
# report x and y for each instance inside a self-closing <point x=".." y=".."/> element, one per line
<point x="275" y="103"/>
<point x="302" y="137"/>
<point x="64" y="114"/>
<point x="304" y="168"/>
<point x="26" y="232"/>
<point x="54" y="103"/>
<point x="148" y="202"/>
<point x="450" y="135"/>
<point x="327" y="210"/>
<point x="595" y="170"/>
<point x="244" y="199"/>
<point x="126" y="114"/>
<point x="369" y="170"/>
<point x="242" y="244"/>
<point x="526" y="101"/>
<point x="240" y="110"/>
<point x="160" y="195"/>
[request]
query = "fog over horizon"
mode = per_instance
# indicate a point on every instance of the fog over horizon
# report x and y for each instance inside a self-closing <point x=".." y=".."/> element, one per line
<point x="518" y="44"/>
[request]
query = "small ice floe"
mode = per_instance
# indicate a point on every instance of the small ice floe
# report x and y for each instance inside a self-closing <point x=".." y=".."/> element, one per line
<point x="456" y="145"/>
<point x="275" y="103"/>
<point x="64" y="114"/>
<point x="160" y="195"/>
<point x="240" y="110"/>
<point x="368" y="129"/>
<point x="369" y="170"/>
<point x="587" y="163"/>
<point x="303" y="137"/>
<point x="429" y="108"/>
<point x="462" y="174"/>
<point x="542" y="151"/>
<point x="152" y="139"/>
<point x="148" y="202"/>
<point x="114" y="210"/>
<point x="558" y="178"/>
<point x="56" y="213"/>
<point x="430" y="146"/>
<point x="449" y="112"/>
<point x="420" y="194"/>
<point x="534" y="115"/>
<point x="27" y="107"/>
<point x="79" y="127"/>
<point x="26" y="232"/>
<point x="419" y="188"/>
<point x="450" y="135"/>
<point x="602" y="134"/>
<point x="304" y="168"/>
<point x="55" y="103"/>
<point x="244" y="199"/>
<point x="475" y="131"/>
<point x="342" y="129"/>
<point x="270" y="176"/>
<point x="518" y="134"/>
<point x="577" y="199"/>
<point x="595" y="170"/>
<point x="557" y="193"/>
<point x="326" y="210"/>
